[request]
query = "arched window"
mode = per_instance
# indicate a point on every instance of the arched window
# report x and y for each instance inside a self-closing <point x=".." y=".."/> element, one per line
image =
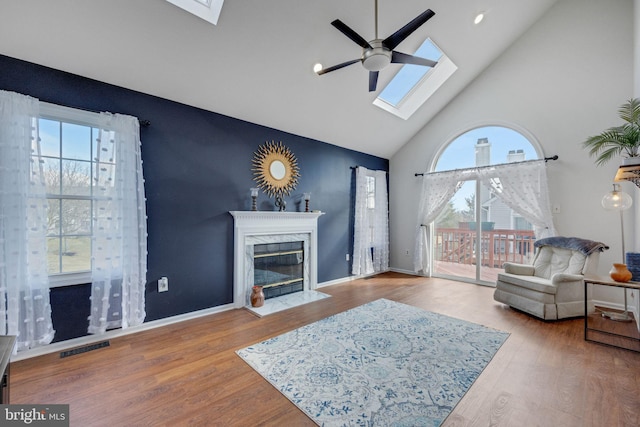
<point x="477" y="232"/>
<point x="486" y="145"/>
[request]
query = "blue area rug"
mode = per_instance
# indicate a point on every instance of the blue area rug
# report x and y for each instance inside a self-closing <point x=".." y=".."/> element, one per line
<point x="380" y="364"/>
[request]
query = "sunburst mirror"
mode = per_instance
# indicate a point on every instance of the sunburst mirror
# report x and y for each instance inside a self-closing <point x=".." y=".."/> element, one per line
<point x="275" y="169"/>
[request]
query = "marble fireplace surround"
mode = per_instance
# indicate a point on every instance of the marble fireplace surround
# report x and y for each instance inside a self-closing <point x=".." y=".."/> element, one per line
<point x="257" y="227"/>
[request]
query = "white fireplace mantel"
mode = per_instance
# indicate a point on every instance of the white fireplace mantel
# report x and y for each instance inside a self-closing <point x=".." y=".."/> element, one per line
<point x="251" y="227"/>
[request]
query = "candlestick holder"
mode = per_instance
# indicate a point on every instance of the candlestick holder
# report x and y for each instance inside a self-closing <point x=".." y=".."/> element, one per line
<point x="254" y="197"/>
<point x="307" y="197"/>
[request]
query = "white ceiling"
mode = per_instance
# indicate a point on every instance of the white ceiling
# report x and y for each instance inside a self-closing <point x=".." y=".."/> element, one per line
<point x="256" y="64"/>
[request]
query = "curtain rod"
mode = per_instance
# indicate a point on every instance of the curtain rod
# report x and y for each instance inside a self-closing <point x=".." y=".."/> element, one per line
<point x="142" y="122"/>
<point x="546" y="159"/>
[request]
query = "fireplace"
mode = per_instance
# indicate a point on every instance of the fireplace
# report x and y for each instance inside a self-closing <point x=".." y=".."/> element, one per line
<point x="276" y="250"/>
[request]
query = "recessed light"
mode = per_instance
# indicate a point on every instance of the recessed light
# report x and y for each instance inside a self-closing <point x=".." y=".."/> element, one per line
<point x="479" y="17"/>
<point x="317" y="67"/>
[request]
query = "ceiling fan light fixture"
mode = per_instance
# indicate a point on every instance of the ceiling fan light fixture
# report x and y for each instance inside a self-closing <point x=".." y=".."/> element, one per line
<point x="317" y="67"/>
<point x="376" y="59"/>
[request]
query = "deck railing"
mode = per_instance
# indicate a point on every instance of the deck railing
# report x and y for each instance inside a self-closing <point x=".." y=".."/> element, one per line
<point x="458" y="245"/>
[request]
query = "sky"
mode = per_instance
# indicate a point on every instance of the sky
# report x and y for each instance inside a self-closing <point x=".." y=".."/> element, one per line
<point x="77" y="138"/>
<point x="409" y="75"/>
<point x="460" y="153"/>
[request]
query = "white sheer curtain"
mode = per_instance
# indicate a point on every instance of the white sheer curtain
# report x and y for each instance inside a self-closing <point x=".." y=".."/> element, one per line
<point x="521" y="185"/>
<point x="25" y="310"/>
<point x="371" y="225"/>
<point x="437" y="189"/>
<point x="119" y="245"/>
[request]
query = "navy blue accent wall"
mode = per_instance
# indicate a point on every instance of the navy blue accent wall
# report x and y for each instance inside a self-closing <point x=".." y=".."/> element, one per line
<point x="70" y="310"/>
<point x="197" y="167"/>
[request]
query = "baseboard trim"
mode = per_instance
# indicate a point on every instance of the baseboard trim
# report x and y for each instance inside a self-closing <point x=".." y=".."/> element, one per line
<point x="349" y="279"/>
<point x="336" y="281"/>
<point x="364" y="276"/>
<point x="608" y="304"/>
<point x="409" y="272"/>
<point x="92" y="339"/>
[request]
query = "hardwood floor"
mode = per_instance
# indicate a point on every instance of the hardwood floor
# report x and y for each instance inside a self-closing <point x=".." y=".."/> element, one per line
<point x="188" y="374"/>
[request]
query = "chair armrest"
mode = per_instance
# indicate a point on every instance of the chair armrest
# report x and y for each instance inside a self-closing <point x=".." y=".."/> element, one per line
<point x="519" y="269"/>
<point x="566" y="277"/>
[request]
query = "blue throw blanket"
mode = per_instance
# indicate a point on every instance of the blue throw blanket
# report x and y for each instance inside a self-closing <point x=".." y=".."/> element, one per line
<point x="574" y="243"/>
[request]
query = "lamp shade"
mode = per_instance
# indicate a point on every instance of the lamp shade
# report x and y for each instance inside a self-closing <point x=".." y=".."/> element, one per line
<point x="616" y="200"/>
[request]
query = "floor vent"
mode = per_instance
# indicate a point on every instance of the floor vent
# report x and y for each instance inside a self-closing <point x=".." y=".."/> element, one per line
<point x="84" y="349"/>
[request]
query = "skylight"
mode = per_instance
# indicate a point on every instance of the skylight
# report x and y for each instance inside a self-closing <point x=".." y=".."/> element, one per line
<point x="414" y="84"/>
<point x="209" y="10"/>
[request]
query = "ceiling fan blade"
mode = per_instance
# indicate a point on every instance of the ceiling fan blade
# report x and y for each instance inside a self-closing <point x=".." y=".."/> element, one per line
<point x="337" y="67"/>
<point x="396" y="38"/>
<point x="373" y="80"/>
<point x="347" y="31"/>
<point x="403" y="58"/>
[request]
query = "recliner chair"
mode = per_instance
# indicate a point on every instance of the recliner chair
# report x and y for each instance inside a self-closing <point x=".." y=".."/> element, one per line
<point x="552" y="287"/>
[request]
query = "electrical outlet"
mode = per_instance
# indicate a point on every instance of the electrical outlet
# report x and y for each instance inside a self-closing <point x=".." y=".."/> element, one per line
<point x="163" y="284"/>
<point x="406" y="253"/>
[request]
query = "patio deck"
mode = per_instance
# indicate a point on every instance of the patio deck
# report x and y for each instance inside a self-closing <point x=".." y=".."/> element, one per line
<point x="455" y="252"/>
<point x="467" y="271"/>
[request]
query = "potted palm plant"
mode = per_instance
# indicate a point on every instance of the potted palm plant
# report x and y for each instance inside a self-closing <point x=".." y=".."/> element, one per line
<point x="623" y="140"/>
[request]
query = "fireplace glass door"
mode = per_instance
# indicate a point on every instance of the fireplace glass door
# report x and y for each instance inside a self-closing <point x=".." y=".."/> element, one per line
<point x="279" y="268"/>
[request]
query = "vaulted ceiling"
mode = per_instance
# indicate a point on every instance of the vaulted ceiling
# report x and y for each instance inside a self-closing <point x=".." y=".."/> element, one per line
<point x="256" y="64"/>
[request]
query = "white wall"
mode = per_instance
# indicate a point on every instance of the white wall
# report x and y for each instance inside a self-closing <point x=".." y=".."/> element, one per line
<point x="561" y="82"/>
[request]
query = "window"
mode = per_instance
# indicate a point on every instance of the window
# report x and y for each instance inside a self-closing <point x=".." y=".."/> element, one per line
<point x="68" y="145"/>
<point x="414" y="84"/>
<point x="461" y="251"/>
<point x="209" y="10"/>
<point x="371" y="222"/>
<point x="96" y="232"/>
<point x="371" y="205"/>
<point x="371" y="192"/>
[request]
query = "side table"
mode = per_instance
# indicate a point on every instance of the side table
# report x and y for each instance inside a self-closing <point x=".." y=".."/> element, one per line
<point x="7" y="342"/>
<point x="606" y="331"/>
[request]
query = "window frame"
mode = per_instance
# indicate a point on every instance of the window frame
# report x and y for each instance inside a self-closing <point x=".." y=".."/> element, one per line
<point x="90" y="119"/>
<point x="209" y="10"/>
<point x="419" y="93"/>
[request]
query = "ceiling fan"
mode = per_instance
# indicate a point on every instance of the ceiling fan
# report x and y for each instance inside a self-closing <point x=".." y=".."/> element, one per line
<point x="377" y="54"/>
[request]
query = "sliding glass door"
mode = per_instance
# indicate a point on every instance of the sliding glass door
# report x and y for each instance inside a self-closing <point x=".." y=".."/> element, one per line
<point x="477" y="232"/>
<point x="462" y="236"/>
